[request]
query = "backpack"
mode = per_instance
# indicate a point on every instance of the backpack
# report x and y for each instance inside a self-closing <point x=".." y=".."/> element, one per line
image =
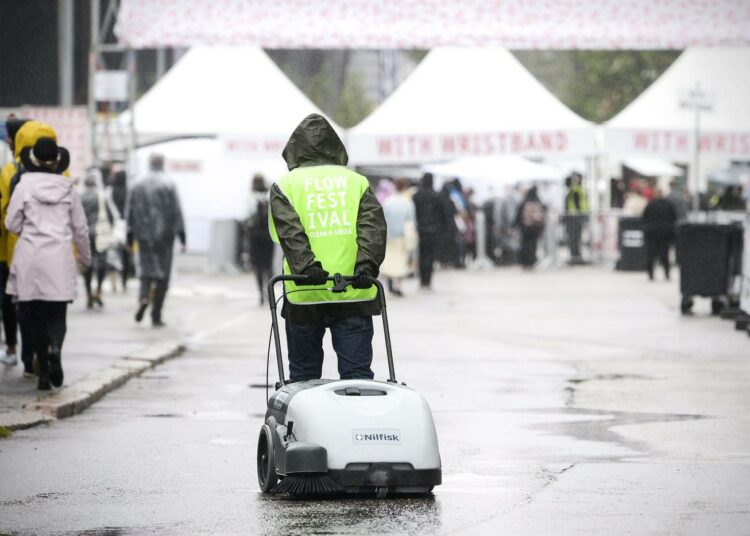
<point x="533" y="214"/>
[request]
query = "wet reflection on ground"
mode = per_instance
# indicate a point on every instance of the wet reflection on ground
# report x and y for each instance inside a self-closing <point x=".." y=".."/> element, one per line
<point x="349" y="516"/>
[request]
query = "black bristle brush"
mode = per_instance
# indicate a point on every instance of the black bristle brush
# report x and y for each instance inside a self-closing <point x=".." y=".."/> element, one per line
<point x="307" y="484"/>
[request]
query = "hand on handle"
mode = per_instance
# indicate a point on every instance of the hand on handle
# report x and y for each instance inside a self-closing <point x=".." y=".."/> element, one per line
<point x="361" y="280"/>
<point x="314" y="275"/>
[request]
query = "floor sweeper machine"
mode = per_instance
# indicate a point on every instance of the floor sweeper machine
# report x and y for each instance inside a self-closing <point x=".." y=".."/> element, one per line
<point x="324" y="437"/>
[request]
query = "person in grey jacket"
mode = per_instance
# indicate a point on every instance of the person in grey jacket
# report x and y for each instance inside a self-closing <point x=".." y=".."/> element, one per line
<point x="154" y="219"/>
<point x="93" y="199"/>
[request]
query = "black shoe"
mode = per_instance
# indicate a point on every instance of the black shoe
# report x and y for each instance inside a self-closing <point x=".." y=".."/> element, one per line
<point x="141" y="311"/>
<point x="43" y="384"/>
<point x="158" y="324"/>
<point x="55" y="369"/>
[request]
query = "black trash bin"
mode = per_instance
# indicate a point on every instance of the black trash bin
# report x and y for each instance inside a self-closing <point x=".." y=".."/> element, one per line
<point x="709" y="255"/>
<point x="631" y="242"/>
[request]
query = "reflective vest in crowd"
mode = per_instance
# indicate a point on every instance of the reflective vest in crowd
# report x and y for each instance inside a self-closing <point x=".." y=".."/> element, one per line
<point x="583" y="202"/>
<point x="326" y="198"/>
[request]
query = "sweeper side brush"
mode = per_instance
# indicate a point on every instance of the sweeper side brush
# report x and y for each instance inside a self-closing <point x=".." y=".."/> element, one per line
<point x="328" y="437"/>
<point x="312" y="484"/>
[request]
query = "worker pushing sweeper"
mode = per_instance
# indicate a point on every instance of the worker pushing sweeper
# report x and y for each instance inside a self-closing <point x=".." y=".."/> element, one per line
<point x="354" y="434"/>
<point x="327" y="220"/>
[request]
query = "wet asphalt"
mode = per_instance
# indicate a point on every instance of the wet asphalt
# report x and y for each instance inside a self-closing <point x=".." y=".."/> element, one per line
<point x="570" y="402"/>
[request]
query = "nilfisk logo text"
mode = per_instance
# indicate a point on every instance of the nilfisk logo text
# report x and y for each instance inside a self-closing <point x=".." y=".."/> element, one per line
<point x="376" y="437"/>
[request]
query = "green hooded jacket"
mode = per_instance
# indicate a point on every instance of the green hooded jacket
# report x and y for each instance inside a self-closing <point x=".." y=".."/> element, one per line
<point x="315" y="144"/>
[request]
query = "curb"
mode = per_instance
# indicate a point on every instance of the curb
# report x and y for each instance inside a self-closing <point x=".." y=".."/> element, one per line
<point x="77" y="397"/>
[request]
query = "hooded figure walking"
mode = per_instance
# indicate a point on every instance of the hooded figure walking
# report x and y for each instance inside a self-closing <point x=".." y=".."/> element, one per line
<point x="9" y="311"/>
<point x="327" y="220"/>
<point x="154" y="219"/>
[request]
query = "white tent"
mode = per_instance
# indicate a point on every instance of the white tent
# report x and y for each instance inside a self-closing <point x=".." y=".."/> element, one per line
<point x="235" y="93"/>
<point x="468" y="102"/>
<point x="239" y="109"/>
<point x="211" y="187"/>
<point x="656" y="125"/>
<point x="491" y="175"/>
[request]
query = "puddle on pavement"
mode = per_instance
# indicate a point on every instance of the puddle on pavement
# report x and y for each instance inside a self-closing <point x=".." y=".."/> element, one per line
<point x="349" y="515"/>
<point x="230" y="442"/>
<point x="611" y="377"/>
<point x="105" y="531"/>
<point x="120" y="531"/>
<point x="34" y="498"/>
<point x="207" y="415"/>
<point x="570" y="390"/>
<point x="598" y="427"/>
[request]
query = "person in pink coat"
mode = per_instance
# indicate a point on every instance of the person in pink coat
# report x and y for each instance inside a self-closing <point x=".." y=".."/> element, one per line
<point x="46" y="212"/>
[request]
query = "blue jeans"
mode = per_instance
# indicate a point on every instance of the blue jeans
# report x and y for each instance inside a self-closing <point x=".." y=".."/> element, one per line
<point x="352" y="341"/>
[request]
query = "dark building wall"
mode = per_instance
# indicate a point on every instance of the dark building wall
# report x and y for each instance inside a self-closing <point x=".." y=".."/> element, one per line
<point x="28" y="52"/>
<point x="82" y="31"/>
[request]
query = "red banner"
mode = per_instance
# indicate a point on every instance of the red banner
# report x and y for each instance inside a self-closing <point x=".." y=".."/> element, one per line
<point x="421" y="148"/>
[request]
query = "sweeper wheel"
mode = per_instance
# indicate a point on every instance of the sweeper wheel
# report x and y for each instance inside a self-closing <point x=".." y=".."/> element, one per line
<point x="267" y="477"/>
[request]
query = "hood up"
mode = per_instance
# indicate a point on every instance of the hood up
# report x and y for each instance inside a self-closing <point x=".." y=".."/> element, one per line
<point x="30" y="133"/>
<point x="49" y="188"/>
<point x="314" y="143"/>
<point x="12" y="126"/>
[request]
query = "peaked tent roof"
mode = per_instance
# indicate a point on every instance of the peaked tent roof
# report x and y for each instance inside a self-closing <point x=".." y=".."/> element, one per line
<point x="233" y="92"/>
<point x="468" y="102"/>
<point x="654" y="123"/>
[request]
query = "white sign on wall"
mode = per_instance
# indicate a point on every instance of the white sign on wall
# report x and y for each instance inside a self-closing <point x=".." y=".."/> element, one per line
<point x="111" y="85"/>
<point x="697" y="100"/>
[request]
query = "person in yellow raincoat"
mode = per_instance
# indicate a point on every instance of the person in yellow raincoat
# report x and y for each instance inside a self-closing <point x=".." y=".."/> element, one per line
<point x="10" y="321"/>
<point x="21" y="133"/>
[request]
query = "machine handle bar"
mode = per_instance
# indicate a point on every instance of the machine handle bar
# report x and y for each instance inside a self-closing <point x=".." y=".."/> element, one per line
<point x="340" y="283"/>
